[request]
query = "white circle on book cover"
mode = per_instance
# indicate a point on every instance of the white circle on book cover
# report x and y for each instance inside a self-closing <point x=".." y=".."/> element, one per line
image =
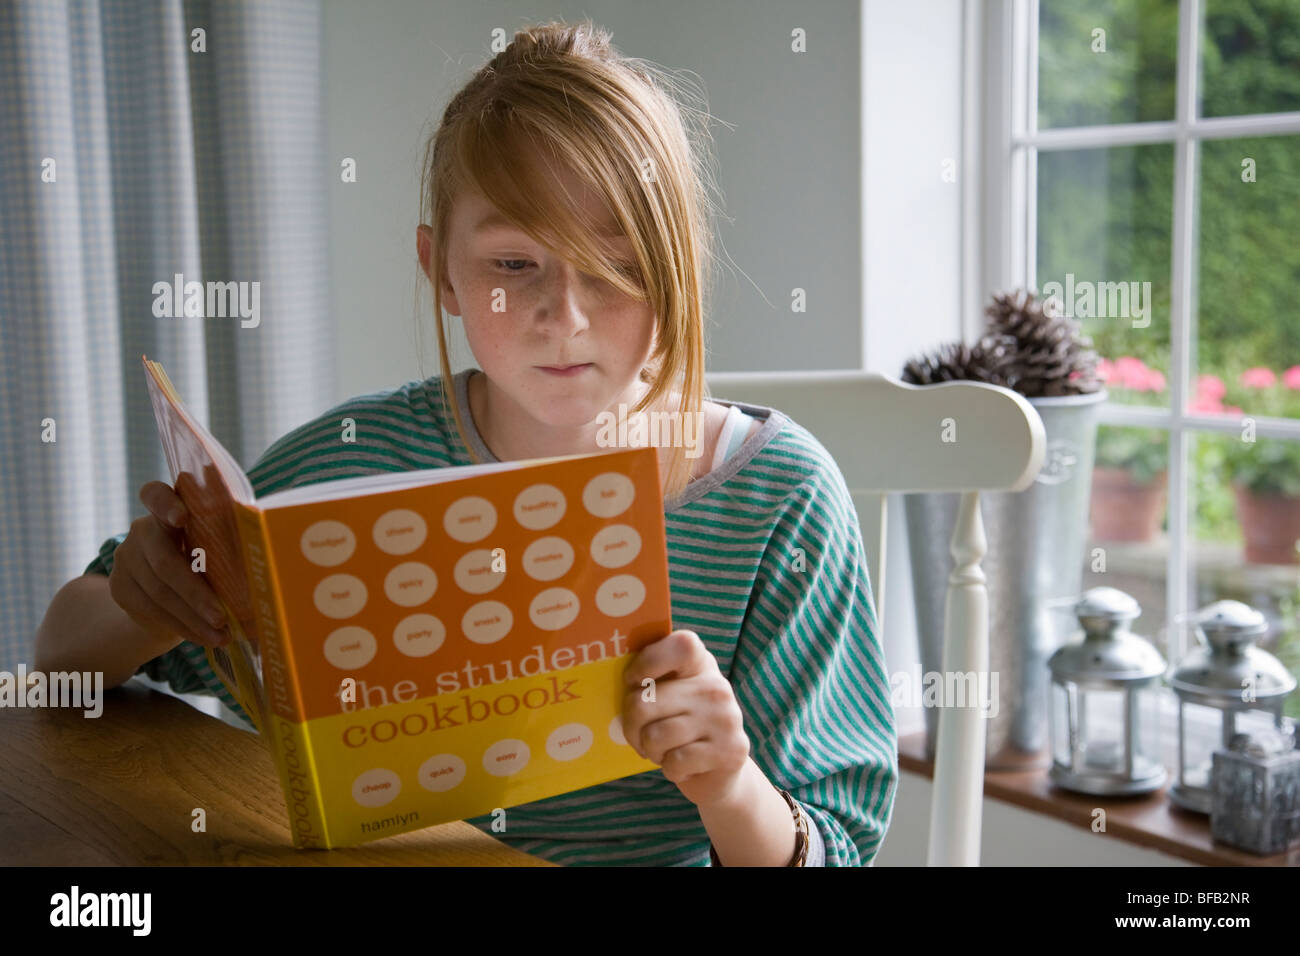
<point x="377" y="787"/>
<point x="616" y="731"/>
<point x="470" y="519"/>
<point x="608" y="494"/>
<point x="569" y="742"/>
<point x="506" y="757"/>
<point x="620" y="595"/>
<point x="475" y="572"/>
<point x="442" y="772"/>
<point x="539" y="507"/>
<point x="615" y="546"/>
<point x="350" y="647"/>
<point x="410" y="583"/>
<point x="548" y="558"/>
<point x="487" y="622"/>
<point x="328" y="544"/>
<point x="553" y="609"/>
<point x="340" y="595"/>
<point x="419" y="635"/>
<point x="400" y="531"/>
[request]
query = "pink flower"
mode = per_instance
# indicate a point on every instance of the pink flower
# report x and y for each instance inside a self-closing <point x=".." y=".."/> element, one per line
<point x="1205" y="405"/>
<point x="1130" y="371"/>
<point x="1211" y="386"/>
<point x="1232" y="410"/>
<point x="1291" y="377"/>
<point x="1258" y="377"/>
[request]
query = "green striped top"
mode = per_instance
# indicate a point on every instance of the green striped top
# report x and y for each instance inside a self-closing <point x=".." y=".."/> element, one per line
<point x="766" y="565"/>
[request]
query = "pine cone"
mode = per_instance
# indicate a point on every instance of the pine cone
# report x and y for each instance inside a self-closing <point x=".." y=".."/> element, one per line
<point x="1051" y="356"/>
<point x="986" y="361"/>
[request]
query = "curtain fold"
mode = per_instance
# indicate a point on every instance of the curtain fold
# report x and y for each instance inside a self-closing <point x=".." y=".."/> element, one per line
<point x="128" y="156"/>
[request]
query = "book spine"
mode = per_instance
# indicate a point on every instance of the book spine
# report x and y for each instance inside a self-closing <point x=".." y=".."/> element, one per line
<point x="286" y="727"/>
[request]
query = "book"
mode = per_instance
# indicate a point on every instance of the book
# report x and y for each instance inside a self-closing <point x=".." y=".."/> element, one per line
<point x="418" y="647"/>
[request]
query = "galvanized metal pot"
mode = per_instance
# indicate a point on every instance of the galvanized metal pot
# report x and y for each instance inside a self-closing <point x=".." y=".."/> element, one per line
<point x="1034" y="568"/>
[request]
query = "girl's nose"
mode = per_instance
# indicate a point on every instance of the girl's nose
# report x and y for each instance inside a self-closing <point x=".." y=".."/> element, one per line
<point x="562" y="303"/>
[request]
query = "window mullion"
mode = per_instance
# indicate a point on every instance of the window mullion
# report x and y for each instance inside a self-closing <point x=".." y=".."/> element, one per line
<point x="1031" y="155"/>
<point x="1180" y="570"/>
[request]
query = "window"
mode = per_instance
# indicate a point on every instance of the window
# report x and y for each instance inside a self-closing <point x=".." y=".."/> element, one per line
<point x="1144" y="166"/>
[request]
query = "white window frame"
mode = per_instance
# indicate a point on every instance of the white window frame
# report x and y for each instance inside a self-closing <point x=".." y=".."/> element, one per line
<point x="1001" y="45"/>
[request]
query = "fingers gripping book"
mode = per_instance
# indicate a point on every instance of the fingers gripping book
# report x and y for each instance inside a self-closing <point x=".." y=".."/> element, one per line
<point x="425" y="646"/>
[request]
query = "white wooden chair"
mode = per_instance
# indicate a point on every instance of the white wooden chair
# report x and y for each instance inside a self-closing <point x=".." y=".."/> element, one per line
<point x="887" y="436"/>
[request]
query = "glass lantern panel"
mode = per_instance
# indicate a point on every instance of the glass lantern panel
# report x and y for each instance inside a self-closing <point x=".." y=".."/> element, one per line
<point x="1102" y="731"/>
<point x="1202" y="733"/>
<point x="1247" y="721"/>
<point x="1157" y="730"/>
<point x="1061" y="722"/>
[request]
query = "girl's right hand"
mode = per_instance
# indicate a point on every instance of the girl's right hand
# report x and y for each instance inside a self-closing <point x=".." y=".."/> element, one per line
<point x="152" y="580"/>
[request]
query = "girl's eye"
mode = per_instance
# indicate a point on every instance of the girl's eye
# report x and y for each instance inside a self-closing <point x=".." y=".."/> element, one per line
<point x="522" y="262"/>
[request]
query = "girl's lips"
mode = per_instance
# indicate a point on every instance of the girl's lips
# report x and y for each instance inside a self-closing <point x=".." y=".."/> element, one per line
<point x="570" y="370"/>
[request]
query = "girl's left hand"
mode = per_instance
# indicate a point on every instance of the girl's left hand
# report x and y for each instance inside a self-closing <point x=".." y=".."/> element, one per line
<point x="687" y="720"/>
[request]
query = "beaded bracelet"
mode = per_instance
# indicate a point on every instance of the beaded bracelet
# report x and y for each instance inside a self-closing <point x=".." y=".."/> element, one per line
<point x="801" y="837"/>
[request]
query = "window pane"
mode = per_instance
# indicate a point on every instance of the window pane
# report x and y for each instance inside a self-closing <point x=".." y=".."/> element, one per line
<point x="1112" y="61"/>
<point x="1104" y="224"/>
<point x="1244" y="534"/>
<point x="1127" y="547"/>
<point x="1248" y="349"/>
<point x="1250" y="57"/>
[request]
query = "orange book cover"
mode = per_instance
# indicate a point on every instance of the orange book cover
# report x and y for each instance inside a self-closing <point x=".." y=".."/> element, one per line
<point x="426" y="646"/>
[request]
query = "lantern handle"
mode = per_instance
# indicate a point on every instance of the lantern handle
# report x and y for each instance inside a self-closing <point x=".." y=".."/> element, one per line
<point x="1183" y="618"/>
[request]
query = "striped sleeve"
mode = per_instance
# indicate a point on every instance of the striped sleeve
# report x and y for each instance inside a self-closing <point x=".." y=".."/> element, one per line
<point x="809" y="672"/>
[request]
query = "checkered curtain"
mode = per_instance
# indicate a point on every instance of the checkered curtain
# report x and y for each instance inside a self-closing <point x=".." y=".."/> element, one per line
<point x="127" y="156"/>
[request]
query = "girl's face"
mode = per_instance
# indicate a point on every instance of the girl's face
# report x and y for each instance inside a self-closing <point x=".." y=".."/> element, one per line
<point x="524" y="308"/>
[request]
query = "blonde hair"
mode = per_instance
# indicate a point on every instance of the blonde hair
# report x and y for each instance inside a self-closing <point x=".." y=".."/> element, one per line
<point x="612" y="120"/>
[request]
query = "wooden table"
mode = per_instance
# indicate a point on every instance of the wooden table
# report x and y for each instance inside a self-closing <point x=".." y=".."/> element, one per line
<point x="121" y="789"/>
<point x="1150" y="820"/>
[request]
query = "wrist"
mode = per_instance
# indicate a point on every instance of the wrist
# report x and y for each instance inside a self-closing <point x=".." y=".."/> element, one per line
<point x="755" y="823"/>
<point x="748" y="782"/>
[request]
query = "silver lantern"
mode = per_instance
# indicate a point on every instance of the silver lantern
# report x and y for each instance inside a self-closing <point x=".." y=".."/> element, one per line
<point x="1225" y="686"/>
<point x="1101" y="718"/>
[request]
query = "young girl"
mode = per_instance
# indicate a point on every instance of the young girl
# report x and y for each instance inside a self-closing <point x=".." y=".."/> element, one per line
<point x="569" y="233"/>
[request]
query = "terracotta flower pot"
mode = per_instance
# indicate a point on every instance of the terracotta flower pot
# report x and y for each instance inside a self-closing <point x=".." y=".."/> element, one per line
<point x="1270" y="525"/>
<point x="1123" y="509"/>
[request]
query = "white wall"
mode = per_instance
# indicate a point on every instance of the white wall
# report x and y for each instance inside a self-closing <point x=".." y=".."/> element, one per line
<point x="911" y="221"/>
<point x="788" y="165"/>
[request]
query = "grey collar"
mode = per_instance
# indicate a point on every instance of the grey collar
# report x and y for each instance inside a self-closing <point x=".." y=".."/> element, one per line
<point x="773" y="422"/>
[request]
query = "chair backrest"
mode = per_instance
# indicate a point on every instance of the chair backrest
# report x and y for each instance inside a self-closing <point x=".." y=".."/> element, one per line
<point x="887" y="436"/>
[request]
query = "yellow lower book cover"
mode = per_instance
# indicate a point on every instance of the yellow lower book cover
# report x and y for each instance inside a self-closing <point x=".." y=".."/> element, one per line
<point x="380" y="771"/>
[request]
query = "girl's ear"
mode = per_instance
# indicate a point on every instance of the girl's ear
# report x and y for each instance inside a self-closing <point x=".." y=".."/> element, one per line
<point x="424" y="249"/>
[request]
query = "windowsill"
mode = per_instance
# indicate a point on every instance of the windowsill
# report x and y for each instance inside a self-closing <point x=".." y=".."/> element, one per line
<point x="1151" y="821"/>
